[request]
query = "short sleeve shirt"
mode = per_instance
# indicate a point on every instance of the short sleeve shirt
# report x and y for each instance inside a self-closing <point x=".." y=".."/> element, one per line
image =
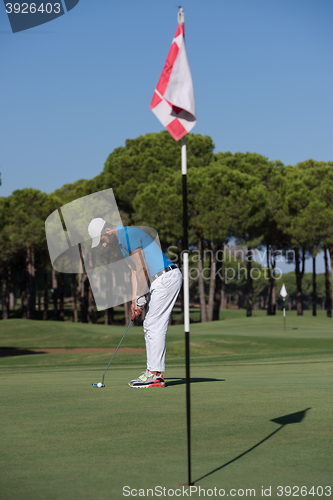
<point x="130" y="238"/>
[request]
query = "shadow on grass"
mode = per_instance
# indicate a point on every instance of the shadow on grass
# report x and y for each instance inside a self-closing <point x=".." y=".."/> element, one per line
<point x="181" y="381"/>
<point x="292" y="418"/>
<point x="12" y="351"/>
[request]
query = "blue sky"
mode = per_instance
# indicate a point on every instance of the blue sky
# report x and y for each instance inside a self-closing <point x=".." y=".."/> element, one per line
<point x="76" y="88"/>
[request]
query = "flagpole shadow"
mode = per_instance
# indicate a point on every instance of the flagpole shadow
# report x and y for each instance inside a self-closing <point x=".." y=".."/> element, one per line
<point x="292" y="418"/>
<point x="195" y="380"/>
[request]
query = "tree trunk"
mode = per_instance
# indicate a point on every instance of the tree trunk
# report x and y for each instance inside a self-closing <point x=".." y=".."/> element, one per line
<point x="327" y="286"/>
<point x="314" y="284"/>
<point x="271" y="264"/>
<point x="81" y="288"/>
<point x="91" y="306"/>
<point x="46" y="294"/>
<point x="299" y="276"/>
<point x="212" y="283"/>
<point x="91" y="302"/>
<point x="218" y="282"/>
<point x="249" y="258"/>
<point x="270" y="281"/>
<point x="74" y="302"/>
<point x="24" y="304"/>
<point x="128" y="312"/>
<point x="239" y="299"/>
<point x="24" y="292"/>
<point x="108" y="316"/>
<point x="61" y="298"/>
<point x="55" y="294"/>
<point x="269" y="295"/>
<point x="11" y="296"/>
<point x="31" y="282"/>
<point x="331" y="258"/>
<point x="181" y="297"/>
<point x="5" y="295"/>
<point x="12" y="300"/>
<point x="94" y="309"/>
<point x="201" y="281"/>
<point x="85" y="299"/>
<point x="273" y="295"/>
<point x="223" y="296"/>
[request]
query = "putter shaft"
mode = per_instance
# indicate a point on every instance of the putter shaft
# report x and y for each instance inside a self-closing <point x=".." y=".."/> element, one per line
<point x="129" y="324"/>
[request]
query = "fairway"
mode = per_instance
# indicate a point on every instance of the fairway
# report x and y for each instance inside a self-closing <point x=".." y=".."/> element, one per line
<point x="64" y="439"/>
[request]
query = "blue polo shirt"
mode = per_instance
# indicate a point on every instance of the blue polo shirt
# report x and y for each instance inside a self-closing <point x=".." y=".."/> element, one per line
<point x="130" y="238"/>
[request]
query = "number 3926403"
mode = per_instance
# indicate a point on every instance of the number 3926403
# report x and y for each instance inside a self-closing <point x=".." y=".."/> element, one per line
<point x="32" y="8"/>
<point x="302" y="491"/>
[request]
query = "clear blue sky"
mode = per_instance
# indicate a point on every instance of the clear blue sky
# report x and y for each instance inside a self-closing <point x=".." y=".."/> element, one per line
<point x="74" y="89"/>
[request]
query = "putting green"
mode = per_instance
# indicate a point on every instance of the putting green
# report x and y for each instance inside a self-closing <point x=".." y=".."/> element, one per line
<point x="61" y="438"/>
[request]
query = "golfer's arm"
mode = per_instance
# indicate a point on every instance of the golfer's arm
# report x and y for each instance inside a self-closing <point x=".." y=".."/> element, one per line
<point x="134" y="284"/>
<point x="141" y="270"/>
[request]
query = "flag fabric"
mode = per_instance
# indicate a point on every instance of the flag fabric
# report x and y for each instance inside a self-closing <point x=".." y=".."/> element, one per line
<point x="173" y="101"/>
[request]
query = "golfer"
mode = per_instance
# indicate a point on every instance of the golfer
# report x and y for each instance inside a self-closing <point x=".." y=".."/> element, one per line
<point x="164" y="279"/>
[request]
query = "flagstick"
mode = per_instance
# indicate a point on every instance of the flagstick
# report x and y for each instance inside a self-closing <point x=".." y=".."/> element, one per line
<point x="284" y="293"/>
<point x="284" y="315"/>
<point x="186" y="308"/>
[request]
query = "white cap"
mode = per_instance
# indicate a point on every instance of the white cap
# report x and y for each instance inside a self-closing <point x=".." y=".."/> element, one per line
<point x="94" y="229"/>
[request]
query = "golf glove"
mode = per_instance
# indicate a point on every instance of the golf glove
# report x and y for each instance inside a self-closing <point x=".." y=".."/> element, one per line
<point x="140" y="301"/>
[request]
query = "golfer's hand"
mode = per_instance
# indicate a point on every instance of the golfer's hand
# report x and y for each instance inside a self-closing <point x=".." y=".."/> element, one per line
<point x="135" y="310"/>
<point x="138" y="311"/>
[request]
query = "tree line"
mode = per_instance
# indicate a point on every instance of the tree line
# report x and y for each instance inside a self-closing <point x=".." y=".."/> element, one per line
<point x="240" y="199"/>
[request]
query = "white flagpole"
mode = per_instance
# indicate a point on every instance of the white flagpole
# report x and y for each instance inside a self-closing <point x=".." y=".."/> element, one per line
<point x="284" y="314"/>
<point x="185" y="242"/>
<point x="283" y="293"/>
<point x="185" y="255"/>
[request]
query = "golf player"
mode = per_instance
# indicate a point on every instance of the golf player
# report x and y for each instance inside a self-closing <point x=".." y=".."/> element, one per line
<point x="164" y="279"/>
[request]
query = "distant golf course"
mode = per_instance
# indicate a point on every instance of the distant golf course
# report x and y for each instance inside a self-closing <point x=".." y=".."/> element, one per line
<point x="63" y="439"/>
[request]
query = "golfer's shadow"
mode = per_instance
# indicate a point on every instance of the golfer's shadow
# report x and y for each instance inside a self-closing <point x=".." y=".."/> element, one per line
<point x="195" y="380"/>
<point x="292" y="418"/>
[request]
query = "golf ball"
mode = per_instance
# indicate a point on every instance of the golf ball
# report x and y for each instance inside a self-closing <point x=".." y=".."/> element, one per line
<point x="99" y="384"/>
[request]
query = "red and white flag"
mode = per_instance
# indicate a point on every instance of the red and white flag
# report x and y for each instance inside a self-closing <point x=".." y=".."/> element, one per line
<point x="173" y="101"/>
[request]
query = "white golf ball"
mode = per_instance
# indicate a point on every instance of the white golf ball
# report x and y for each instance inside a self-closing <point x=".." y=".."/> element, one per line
<point x="99" y="384"/>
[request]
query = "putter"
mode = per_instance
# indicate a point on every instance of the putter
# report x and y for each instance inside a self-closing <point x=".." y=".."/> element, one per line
<point x="101" y="384"/>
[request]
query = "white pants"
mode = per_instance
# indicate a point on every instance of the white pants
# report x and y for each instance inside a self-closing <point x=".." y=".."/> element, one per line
<point x="162" y="297"/>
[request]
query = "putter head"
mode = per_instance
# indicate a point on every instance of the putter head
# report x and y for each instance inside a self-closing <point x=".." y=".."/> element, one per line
<point x="99" y="385"/>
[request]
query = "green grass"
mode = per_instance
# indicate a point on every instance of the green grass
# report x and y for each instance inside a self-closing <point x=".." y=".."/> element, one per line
<point x="63" y="439"/>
